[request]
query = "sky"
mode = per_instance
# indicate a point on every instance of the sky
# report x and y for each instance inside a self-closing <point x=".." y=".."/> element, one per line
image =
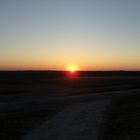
<point x="57" y="34"/>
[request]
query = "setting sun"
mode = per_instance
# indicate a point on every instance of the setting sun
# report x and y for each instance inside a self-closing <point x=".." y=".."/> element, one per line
<point x="72" y="68"/>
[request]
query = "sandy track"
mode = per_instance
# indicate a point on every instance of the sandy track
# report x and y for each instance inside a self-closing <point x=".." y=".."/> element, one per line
<point x="77" y="122"/>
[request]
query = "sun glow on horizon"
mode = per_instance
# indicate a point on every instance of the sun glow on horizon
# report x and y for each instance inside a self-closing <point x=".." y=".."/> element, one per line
<point x="72" y="68"/>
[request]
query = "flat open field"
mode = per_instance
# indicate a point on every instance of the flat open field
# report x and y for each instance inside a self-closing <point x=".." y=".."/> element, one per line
<point x="56" y="83"/>
<point x="123" y="121"/>
<point x="29" y="98"/>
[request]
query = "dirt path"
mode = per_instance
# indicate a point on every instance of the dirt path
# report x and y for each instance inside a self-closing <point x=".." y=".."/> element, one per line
<point x="78" y="122"/>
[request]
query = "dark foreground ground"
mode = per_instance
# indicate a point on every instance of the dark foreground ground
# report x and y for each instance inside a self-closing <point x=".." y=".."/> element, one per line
<point x="122" y="121"/>
<point x="27" y="99"/>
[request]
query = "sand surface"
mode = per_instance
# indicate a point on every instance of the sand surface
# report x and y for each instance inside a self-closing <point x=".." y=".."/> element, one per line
<point x="77" y="122"/>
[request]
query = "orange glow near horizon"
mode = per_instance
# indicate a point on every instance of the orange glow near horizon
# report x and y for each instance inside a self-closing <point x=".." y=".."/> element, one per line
<point x="72" y="68"/>
<point x="72" y="71"/>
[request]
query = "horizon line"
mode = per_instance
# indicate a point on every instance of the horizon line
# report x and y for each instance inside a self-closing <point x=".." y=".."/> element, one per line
<point x="68" y="70"/>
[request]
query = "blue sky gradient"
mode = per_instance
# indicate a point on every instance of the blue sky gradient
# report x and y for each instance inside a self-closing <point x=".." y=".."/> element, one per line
<point x="52" y="34"/>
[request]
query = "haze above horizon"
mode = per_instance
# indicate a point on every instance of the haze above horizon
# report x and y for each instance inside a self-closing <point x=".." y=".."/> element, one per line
<point x="56" y="34"/>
